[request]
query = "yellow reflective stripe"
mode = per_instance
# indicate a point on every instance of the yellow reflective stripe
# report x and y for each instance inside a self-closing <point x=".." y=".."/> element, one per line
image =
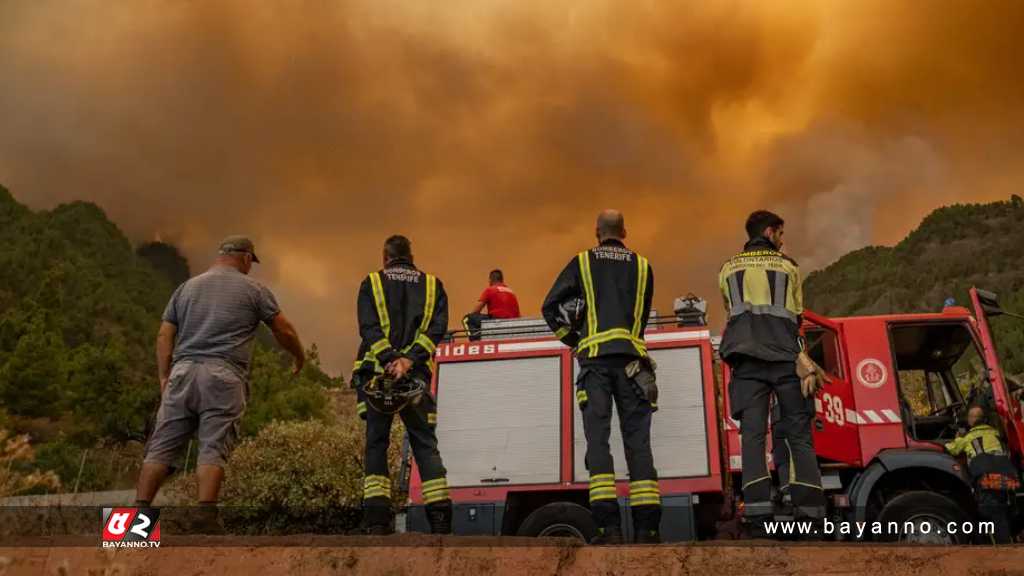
<point x="375" y="486"/>
<point x="436" y="497"/>
<point x="602" y="484"/>
<point x="588" y="289"/>
<point x="755" y="481"/>
<point x="610" y="334"/>
<point x="380" y="346"/>
<point x="435" y="483"/>
<point x="435" y="490"/>
<point x="372" y="360"/>
<point x="646" y="492"/>
<point x="816" y="487"/>
<point x="427" y="344"/>
<point x="361" y="408"/>
<point x="428" y="314"/>
<point x="602" y="477"/>
<point x="432" y="418"/>
<point x="581" y="396"/>
<point x="641" y="287"/>
<point x="599" y="497"/>
<point x="646" y="501"/>
<point x="382" y="307"/>
<point x="428" y="305"/>
<point x="561" y="332"/>
<point x="614" y="334"/>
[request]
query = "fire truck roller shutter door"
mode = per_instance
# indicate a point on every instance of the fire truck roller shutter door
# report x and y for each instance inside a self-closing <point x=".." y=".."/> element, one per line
<point x="678" y="431"/>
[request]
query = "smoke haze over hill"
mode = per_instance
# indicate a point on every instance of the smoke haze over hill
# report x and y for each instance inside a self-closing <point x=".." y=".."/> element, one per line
<point x="491" y="133"/>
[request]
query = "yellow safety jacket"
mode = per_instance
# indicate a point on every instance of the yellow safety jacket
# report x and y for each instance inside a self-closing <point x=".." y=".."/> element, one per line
<point x="764" y="298"/>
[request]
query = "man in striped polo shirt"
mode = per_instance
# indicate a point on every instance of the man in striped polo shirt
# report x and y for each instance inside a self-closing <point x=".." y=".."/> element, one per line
<point x="204" y="349"/>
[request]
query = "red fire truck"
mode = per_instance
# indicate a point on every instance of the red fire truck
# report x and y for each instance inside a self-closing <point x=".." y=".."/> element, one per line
<point x="512" y="437"/>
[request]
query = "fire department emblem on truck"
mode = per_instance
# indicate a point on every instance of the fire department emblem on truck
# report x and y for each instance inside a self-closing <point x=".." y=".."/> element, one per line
<point x="871" y="373"/>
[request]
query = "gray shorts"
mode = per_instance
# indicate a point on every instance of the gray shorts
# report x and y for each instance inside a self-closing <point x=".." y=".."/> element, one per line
<point x="205" y="397"/>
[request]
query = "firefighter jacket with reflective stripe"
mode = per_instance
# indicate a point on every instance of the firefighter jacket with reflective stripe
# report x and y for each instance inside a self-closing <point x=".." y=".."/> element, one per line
<point x="617" y="285"/>
<point x="402" y="312"/>
<point x="980" y="439"/>
<point x="764" y="299"/>
<point x="985" y="452"/>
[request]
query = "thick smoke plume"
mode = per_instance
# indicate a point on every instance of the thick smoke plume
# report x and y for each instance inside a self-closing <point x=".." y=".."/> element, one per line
<point x="491" y="133"/>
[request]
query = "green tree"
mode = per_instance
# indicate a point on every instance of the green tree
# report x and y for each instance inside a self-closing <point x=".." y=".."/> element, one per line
<point x="33" y="374"/>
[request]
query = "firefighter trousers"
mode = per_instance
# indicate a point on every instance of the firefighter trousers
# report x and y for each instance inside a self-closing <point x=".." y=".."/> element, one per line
<point x="601" y="383"/>
<point x="420" y="421"/>
<point x="752" y="384"/>
<point x="994" y="506"/>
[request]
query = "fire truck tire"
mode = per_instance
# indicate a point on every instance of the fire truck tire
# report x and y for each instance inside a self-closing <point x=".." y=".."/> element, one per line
<point x="920" y="507"/>
<point x="559" y="519"/>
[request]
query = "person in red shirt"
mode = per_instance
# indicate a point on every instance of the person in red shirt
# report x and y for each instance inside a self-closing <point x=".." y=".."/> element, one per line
<point x="500" y="301"/>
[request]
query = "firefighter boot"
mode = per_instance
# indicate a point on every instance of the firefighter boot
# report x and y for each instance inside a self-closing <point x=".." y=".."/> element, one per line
<point x="754" y="527"/>
<point x="378" y="519"/>
<point x="647" y="524"/>
<point x="439" y="515"/>
<point x="607" y="536"/>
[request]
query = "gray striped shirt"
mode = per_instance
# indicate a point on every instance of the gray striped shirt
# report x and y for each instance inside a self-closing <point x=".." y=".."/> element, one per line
<point x="217" y="314"/>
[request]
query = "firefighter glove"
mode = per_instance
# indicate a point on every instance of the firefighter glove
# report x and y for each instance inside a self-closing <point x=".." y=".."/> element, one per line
<point x="812" y="377"/>
<point x="642" y="372"/>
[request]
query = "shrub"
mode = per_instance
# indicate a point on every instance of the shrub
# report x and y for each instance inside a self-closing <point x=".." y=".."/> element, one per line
<point x="296" y="477"/>
<point x="15" y="451"/>
<point x="278" y="395"/>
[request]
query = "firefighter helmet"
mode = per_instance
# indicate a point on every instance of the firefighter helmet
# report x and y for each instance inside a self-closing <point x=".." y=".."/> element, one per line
<point x="572" y="313"/>
<point x="388" y="395"/>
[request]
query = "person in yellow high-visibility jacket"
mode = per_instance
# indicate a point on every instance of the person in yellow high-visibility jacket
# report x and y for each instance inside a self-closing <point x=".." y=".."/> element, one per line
<point x="995" y="478"/>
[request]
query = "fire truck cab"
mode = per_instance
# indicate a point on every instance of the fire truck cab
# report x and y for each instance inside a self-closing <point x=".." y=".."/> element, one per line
<point x="899" y="387"/>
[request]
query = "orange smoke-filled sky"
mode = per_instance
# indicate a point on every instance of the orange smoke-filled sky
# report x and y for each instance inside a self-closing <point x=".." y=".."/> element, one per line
<point x="491" y="133"/>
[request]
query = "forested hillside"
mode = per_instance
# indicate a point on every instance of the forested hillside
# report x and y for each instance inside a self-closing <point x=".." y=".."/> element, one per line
<point x="79" y="310"/>
<point x="954" y="248"/>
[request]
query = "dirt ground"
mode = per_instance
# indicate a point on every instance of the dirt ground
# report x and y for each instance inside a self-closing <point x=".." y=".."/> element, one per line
<point x="421" y="555"/>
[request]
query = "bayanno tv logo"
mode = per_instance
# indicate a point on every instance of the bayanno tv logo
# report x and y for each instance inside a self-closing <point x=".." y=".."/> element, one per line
<point x="131" y="528"/>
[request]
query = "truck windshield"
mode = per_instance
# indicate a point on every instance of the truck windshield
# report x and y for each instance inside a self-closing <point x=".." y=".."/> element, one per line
<point x="940" y="371"/>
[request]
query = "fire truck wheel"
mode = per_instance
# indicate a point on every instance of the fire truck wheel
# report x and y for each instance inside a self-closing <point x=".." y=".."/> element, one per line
<point x="928" y="513"/>
<point x="559" y="519"/>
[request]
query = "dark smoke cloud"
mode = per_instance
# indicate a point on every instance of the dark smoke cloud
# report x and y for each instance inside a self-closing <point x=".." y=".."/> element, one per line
<point x="492" y="133"/>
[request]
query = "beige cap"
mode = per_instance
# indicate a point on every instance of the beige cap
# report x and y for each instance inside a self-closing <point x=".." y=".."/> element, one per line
<point x="238" y="243"/>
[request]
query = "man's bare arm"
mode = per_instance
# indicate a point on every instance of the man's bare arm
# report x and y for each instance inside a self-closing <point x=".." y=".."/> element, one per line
<point x="164" y="351"/>
<point x="479" y="308"/>
<point x="288" y="338"/>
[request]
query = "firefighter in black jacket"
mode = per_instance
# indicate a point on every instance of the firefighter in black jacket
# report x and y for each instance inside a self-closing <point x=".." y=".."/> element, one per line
<point x="403" y="314"/>
<point x="617" y="286"/>
<point x="761" y="342"/>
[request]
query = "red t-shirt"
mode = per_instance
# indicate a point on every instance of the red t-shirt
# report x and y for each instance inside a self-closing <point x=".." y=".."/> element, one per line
<point x="501" y="301"/>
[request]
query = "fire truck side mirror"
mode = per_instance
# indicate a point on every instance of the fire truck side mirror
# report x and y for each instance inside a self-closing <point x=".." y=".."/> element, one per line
<point x="990" y="303"/>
